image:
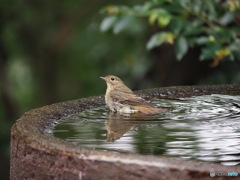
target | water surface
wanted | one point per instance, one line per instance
(205, 128)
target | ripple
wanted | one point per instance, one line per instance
(205, 128)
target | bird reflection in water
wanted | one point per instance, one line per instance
(119, 124)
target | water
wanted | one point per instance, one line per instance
(205, 128)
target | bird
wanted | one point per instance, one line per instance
(119, 98)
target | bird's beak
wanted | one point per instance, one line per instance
(103, 78)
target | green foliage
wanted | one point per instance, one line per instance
(159, 38)
(53, 51)
(213, 26)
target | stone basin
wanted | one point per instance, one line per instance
(36, 155)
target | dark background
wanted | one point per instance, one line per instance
(53, 51)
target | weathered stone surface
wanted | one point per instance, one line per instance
(34, 155)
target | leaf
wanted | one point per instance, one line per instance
(160, 38)
(185, 3)
(177, 24)
(234, 47)
(155, 3)
(208, 52)
(125, 23)
(222, 53)
(181, 47)
(208, 9)
(202, 40)
(227, 18)
(196, 7)
(108, 23)
(156, 40)
(194, 28)
(139, 11)
(164, 19)
(152, 18)
(161, 16)
(219, 55)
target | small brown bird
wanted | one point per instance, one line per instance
(119, 98)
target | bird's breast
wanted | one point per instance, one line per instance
(118, 107)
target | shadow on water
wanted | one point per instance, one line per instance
(205, 128)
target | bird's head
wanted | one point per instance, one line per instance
(112, 81)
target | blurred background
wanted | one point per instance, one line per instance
(53, 51)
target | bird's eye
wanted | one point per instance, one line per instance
(112, 79)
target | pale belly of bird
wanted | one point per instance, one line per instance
(121, 108)
(125, 108)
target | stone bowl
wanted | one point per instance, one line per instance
(36, 155)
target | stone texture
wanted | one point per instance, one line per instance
(35, 155)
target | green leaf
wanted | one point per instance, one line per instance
(185, 3)
(202, 40)
(196, 7)
(150, 4)
(161, 16)
(164, 19)
(160, 38)
(177, 24)
(234, 47)
(152, 18)
(156, 40)
(139, 11)
(210, 9)
(108, 23)
(127, 23)
(193, 28)
(209, 52)
(227, 18)
(181, 47)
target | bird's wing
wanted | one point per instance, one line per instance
(129, 99)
